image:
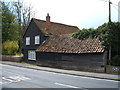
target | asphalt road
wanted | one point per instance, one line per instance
(17, 77)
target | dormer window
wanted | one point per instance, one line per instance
(27, 40)
(37, 39)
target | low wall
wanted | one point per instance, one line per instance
(11, 58)
(112, 69)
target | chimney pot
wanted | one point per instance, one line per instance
(47, 18)
(47, 26)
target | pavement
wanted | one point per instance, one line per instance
(70, 72)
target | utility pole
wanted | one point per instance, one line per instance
(109, 58)
(109, 51)
(110, 11)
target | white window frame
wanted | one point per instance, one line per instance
(37, 39)
(31, 55)
(27, 40)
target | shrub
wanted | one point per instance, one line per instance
(116, 60)
(19, 54)
(10, 47)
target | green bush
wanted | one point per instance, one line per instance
(116, 60)
(10, 47)
(19, 54)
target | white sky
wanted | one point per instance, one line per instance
(81, 13)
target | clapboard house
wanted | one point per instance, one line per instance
(38, 31)
(51, 44)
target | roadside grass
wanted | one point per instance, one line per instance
(66, 68)
(57, 67)
(26, 63)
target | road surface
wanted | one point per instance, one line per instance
(18, 77)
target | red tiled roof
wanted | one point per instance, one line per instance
(67, 44)
(56, 28)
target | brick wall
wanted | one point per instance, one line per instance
(11, 58)
(112, 69)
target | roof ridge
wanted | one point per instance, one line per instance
(55, 22)
(38, 19)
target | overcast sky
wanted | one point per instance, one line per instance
(81, 13)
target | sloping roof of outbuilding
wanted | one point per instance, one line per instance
(68, 44)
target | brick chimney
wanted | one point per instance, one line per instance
(47, 24)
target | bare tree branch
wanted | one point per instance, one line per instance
(24, 14)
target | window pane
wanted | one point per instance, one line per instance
(27, 40)
(31, 55)
(37, 39)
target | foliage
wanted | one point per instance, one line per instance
(84, 33)
(116, 60)
(19, 54)
(23, 14)
(108, 33)
(113, 36)
(10, 47)
(9, 26)
(15, 19)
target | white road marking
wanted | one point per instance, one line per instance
(65, 85)
(7, 79)
(12, 79)
(19, 78)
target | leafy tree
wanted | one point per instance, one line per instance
(9, 26)
(108, 33)
(116, 60)
(109, 36)
(113, 37)
(84, 33)
(10, 48)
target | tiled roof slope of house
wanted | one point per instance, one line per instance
(67, 44)
(55, 28)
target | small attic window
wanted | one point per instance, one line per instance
(37, 39)
(27, 40)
